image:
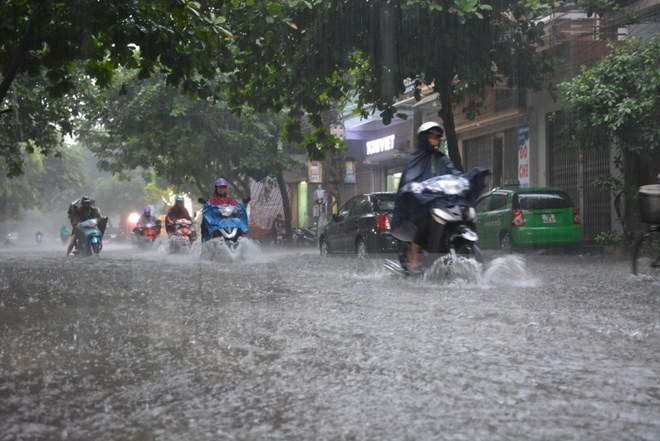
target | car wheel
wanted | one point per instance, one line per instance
(323, 247)
(361, 249)
(506, 243)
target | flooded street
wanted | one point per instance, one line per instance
(137, 345)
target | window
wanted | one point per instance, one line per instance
(362, 206)
(498, 201)
(543, 201)
(348, 206)
(482, 204)
(384, 202)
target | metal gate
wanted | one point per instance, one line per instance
(574, 171)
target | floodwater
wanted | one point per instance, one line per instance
(281, 344)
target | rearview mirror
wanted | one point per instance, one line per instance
(201, 200)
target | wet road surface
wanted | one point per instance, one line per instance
(138, 345)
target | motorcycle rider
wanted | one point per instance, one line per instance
(411, 220)
(145, 219)
(64, 234)
(80, 210)
(176, 212)
(220, 196)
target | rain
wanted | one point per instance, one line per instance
(211, 220)
(285, 344)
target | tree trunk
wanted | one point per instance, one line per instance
(285, 203)
(447, 115)
(16, 60)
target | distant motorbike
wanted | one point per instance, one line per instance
(64, 235)
(182, 237)
(145, 235)
(229, 222)
(452, 233)
(304, 237)
(89, 236)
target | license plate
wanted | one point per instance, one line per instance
(548, 218)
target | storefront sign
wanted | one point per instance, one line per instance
(315, 172)
(349, 172)
(380, 145)
(523, 156)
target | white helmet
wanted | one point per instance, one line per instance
(432, 127)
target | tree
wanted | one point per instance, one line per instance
(616, 103)
(188, 142)
(187, 41)
(366, 51)
(44, 185)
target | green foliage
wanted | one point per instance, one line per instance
(45, 183)
(188, 142)
(616, 103)
(365, 51)
(30, 125)
(618, 99)
(302, 58)
(608, 238)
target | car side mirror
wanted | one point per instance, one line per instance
(201, 200)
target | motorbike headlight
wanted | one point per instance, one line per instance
(227, 210)
(93, 222)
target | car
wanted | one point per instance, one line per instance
(361, 227)
(515, 218)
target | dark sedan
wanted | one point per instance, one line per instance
(362, 226)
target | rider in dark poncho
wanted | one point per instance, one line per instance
(410, 220)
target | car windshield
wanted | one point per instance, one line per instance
(384, 202)
(543, 201)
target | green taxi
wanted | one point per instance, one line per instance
(513, 217)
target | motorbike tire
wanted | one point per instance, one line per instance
(403, 254)
(469, 250)
(435, 239)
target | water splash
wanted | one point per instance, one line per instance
(247, 251)
(509, 270)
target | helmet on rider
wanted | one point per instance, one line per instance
(147, 210)
(179, 199)
(220, 182)
(424, 131)
(85, 200)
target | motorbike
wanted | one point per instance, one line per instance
(448, 200)
(182, 237)
(89, 236)
(64, 235)
(304, 237)
(229, 222)
(145, 235)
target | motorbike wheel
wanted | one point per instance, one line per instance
(324, 248)
(435, 240)
(470, 250)
(404, 254)
(96, 248)
(506, 243)
(361, 249)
